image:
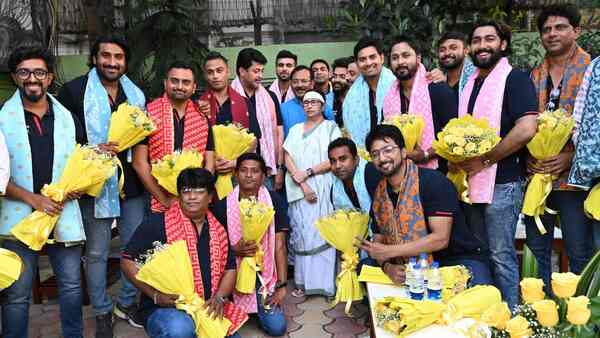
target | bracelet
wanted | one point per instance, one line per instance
(426, 155)
(155, 297)
(280, 285)
(220, 299)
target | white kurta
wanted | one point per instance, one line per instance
(315, 260)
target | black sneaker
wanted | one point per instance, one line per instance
(130, 314)
(104, 326)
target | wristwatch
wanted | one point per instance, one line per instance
(309, 172)
(486, 162)
(280, 167)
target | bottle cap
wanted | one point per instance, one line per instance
(412, 260)
(435, 265)
(422, 255)
(417, 266)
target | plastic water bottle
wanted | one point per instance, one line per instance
(417, 287)
(424, 262)
(434, 284)
(412, 261)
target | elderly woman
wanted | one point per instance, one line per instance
(308, 183)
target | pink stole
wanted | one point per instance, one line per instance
(275, 89)
(267, 120)
(420, 104)
(488, 105)
(268, 275)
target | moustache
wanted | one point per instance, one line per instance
(477, 52)
(32, 83)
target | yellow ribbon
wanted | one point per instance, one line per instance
(534, 203)
(249, 268)
(205, 326)
(348, 288)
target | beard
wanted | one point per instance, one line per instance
(495, 56)
(339, 87)
(103, 73)
(32, 96)
(393, 170)
(452, 63)
(283, 77)
(405, 73)
(178, 96)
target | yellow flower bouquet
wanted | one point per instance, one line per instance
(255, 217)
(553, 132)
(168, 269)
(454, 280)
(86, 170)
(411, 126)
(11, 267)
(364, 154)
(340, 230)
(231, 141)
(166, 170)
(129, 125)
(592, 203)
(462, 139)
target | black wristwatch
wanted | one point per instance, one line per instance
(280, 167)
(280, 285)
(309, 172)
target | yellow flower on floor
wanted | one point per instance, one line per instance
(532, 290)
(578, 311)
(546, 312)
(497, 316)
(564, 285)
(518, 327)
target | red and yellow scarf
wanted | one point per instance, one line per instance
(179, 227)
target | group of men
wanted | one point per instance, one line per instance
(309, 126)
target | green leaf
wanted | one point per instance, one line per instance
(587, 274)
(529, 268)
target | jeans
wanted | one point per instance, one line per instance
(66, 263)
(576, 233)
(500, 219)
(272, 321)
(98, 233)
(172, 323)
(479, 269)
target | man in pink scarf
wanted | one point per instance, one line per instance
(264, 105)
(506, 98)
(250, 173)
(285, 62)
(413, 93)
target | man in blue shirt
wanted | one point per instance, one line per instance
(292, 112)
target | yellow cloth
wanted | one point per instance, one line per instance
(340, 229)
(11, 267)
(86, 171)
(169, 270)
(553, 132)
(411, 127)
(462, 139)
(129, 125)
(373, 274)
(231, 141)
(166, 170)
(592, 203)
(255, 218)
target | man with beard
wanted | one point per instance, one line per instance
(415, 210)
(321, 73)
(263, 104)
(180, 126)
(362, 106)
(222, 104)
(506, 98)
(40, 136)
(292, 112)
(285, 62)
(340, 88)
(92, 98)
(353, 72)
(413, 93)
(452, 57)
(557, 81)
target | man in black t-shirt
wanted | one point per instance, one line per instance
(415, 210)
(496, 183)
(85, 97)
(250, 174)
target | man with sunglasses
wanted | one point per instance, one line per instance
(415, 210)
(557, 80)
(40, 135)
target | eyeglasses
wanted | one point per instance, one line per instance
(311, 102)
(385, 151)
(193, 190)
(24, 73)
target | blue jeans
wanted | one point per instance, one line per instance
(576, 233)
(271, 321)
(479, 269)
(172, 323)
(98, 233)
(500, 219)
(66, 263)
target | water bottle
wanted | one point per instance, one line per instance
(424, 262)
(434, 284)
(409, 272)
(417, 287)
